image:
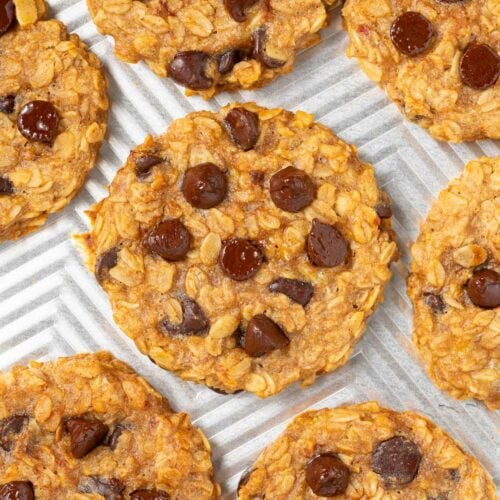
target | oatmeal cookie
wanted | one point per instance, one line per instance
(361, 452)
(454, 285)
(89, 427)
(53, 115)
(438, 60)
(244, 249)
(212, 45)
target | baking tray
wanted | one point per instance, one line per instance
(51, 306)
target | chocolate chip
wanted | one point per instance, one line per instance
(412, 33)
(189, 69)
(204, 186)
(112, 438)
(6, 186)
(228, 59)
(480, 67)
(222, 392)
(243, 127)
(240, 259)
(109, 488)
(106, 261)
(9, 429)
(7, 15)
(262, 336)
(144, 163)
(149, 495)
(454, 474)
(244, 478)
(17, 490)
(193, 320)
(257, 177)
(291, 189)
(7, 103)
(327, 475)
(435, 302)
(298, 291)
(38, 121)
(396, 460)
(259, 50)
(383, 211)
(238, 9)
(170, 240)
(85, 434)
(326, 247)
(484, 288)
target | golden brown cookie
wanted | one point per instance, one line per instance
(454, 285)
(87, 426)
(365, 452)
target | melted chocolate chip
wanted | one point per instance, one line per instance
(170, 240)
(105, 262)
(9, 429)
(228, 59)
(7, 103)
(193, 320)
(483, 288)
(435, 302)
(397, 460)
(244, 478)
(243, 127)
(383, 211)
(327, 475)
(204, 186)
(259, 50)
(240, 259)
(262, 336)
(326, 247)
(296, 290)
(7, 15)
(109, 488)
(17, 490)
(85, 435)
(412, 33)
(291, 189)
(144, 163)
(38, 121)
(189, 69)
(6, 186)
(112, 438)
(480, 67)
(238, 9)
(257, 177)
(149, 495)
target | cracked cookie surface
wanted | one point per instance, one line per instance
(438, 61)
(271, 284)
(87, 426)
(454, 285)
(365, 451)
(53, 116)
(212, 45)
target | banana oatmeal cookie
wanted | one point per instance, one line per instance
(438, 60)
(212, 45)
(244, 249)
(455, 285)
(53, 115)
(365, 451)
(89, 427)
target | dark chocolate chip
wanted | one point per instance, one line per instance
(397, 460)
(259, 50)
(17, 490)
(109, 488)
(244, 478)
(412, 33)
(85, 434)
(144, 163)
(189, 69)
(7, 15)
(228, 59)
(204, 186)
(9, 429)
(383, 211)
(484, 288)
(480, 67)
(170, 240)
(38, 121)
(7, 103)
(149, 495)
(193, 320)
(327, 475)
(112, 438)
(106, 261)
(238, 9)
(240, 259)
(326, 247)
(6, 186)
(291, 189)
(243, 127)
(435, 302)
(298, 291)
(262, 336)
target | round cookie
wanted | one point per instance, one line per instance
(438, 60)
(273, 283)
(53, 115)
(209, 46)
(361, 452)
(454, 285)
(87, 426)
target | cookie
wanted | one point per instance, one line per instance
(53, 115)
(209, 46)
(87, 426)
(244, 249)
(365, 451)
(438, 60)
(454, 285)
